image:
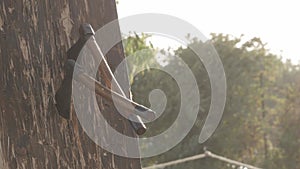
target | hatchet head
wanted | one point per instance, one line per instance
(64, 93)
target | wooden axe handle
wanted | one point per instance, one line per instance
(124, 103)
(108, 76)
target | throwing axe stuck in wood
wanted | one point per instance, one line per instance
(132, 110)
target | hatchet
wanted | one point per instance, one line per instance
(63, 94)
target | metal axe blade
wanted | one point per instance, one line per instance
(63, 94)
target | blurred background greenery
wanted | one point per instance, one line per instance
(260, 124)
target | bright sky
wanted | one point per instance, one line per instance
(276, 22)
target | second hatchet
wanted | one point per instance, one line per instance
(63, 96)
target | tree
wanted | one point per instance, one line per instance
(262, 103)
(34, 38)
(289, 141)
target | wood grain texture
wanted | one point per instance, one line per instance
(34, 38)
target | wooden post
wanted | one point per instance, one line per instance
(34, 38)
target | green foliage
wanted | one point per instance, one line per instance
(139, 54)
(260, 125)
